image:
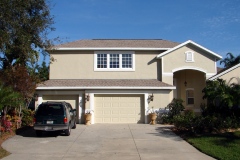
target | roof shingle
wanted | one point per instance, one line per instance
(86, 83)
(119, 43)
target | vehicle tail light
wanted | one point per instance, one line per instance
(65, 120)
(34, 120)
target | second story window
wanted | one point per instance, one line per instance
(127, 61)
(114, 61)
(102, 61)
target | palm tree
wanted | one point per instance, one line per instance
(218, 93)
(231, 60)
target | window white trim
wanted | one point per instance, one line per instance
(108, 69)
(189, 56)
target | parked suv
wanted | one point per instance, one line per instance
(54, 116)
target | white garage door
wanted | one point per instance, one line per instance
(72, 99)
(118, 109)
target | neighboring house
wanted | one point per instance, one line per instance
(121, 79)
(230, 75)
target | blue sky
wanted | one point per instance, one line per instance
(214, 24)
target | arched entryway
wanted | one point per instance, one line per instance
(189, 85)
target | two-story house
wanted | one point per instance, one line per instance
(119, 80)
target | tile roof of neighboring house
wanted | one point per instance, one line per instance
(219, 69)
(224, 71)
(104, 84)
(119, 43)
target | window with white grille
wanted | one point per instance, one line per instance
(114, 61)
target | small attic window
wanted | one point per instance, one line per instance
(189, 57)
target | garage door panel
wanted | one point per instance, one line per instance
(118, 108)
(115, 112)
(115, 105)
(106, 112)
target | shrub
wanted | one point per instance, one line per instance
(175, 108)
(186, 121)
(27, 117)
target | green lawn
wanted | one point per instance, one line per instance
(224, 146)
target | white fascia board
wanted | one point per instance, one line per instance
(189, 42)
(224, 72)
(72, 88)
(111, 49)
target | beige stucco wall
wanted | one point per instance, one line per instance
(232, 76)
(176, 59)
(161, 99)
(80, 65)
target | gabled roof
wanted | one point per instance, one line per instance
(118, 44)
(192, 43)
(224, 71)
(103, 84)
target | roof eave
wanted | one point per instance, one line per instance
(224, 72)
(108, 88)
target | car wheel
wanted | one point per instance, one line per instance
(38, 133)
(68, 131)
(75, 125)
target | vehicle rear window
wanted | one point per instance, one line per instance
(50, 109)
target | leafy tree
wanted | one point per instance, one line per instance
(40, 72)
(20, 81)
(24, 26)
(230, 60)
(43, 72)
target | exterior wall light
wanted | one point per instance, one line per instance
(87, 98)
(150, 98)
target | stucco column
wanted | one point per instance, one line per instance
(80, 107)
(92, 106)
(40, 100)
(146, 107)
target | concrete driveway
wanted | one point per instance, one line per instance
(104, 142)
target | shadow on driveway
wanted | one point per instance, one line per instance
(30, 132)
(166, 132)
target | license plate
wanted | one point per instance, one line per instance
(48, 128)
(49, 122)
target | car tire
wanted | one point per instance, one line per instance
(68, 131)
(75, 125)
(38, 133)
